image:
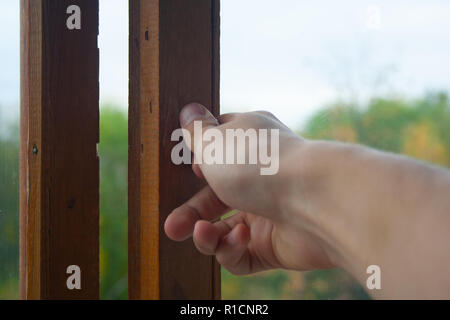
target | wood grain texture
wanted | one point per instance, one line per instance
(174, 60)
(59, 168)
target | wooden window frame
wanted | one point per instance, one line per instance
(59, 168)
(174, 59)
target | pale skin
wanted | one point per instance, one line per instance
(330, 205)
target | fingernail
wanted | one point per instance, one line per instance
(191, 112)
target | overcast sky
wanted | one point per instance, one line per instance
(289, 57)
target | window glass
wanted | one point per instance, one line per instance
(369, 72)
(9, 150)
(113, 149)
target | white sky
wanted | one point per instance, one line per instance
(289, 57)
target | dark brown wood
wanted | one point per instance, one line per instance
(174, 60)
(59, 165)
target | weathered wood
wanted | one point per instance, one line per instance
(174, 60)
(59, 184)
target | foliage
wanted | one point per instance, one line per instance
(113, 152)
(9, 208)
(418, 128)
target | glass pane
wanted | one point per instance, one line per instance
(113, 149)
(9, 150)
(370, 72)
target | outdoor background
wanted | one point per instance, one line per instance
(369, 72)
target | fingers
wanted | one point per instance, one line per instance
(198, 172)
(197, 112)
(233, 252)
(204, 205)
(194, 112)
(227, 239)
(191, 116)
(207, 235)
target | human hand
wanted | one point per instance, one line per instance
(262, 234)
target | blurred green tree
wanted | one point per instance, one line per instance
(113, 152)
(9, 208)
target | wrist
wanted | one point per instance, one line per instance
(300, 174)
(308, 196)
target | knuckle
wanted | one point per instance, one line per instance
(266, 113)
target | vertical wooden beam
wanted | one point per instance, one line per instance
(174, 60)
(59, 184)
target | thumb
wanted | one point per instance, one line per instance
(195, 119)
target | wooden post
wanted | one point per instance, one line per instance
(59, 183)
(174, 60)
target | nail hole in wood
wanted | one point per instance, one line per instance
(71, 203)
